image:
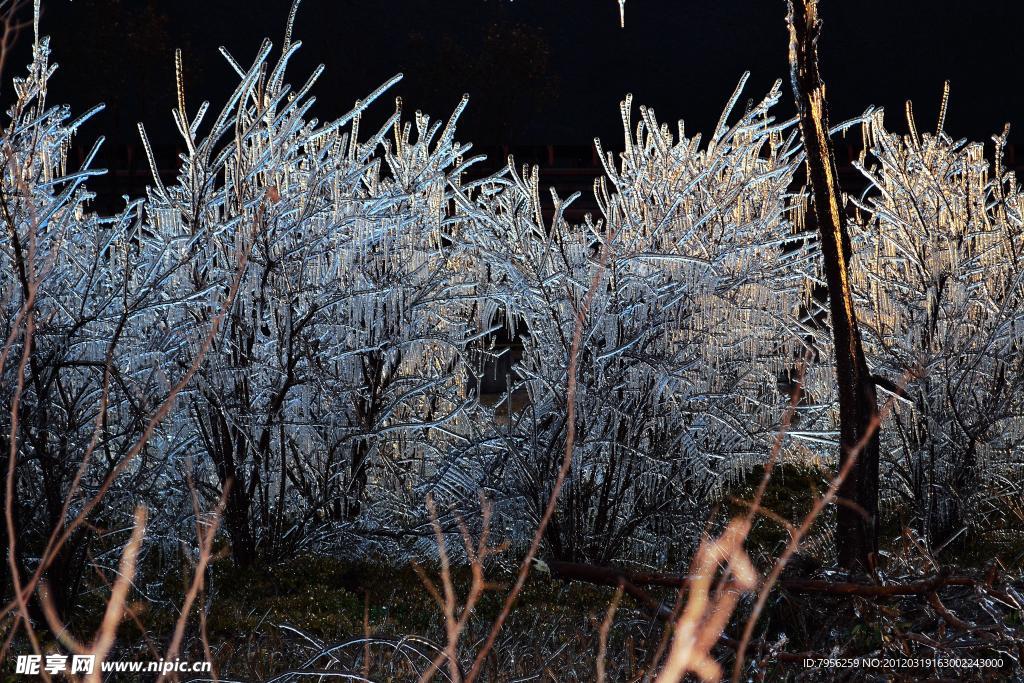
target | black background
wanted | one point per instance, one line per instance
(538, 71)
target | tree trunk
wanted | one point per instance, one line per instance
(857, 515)
(221, 443)
(359, 470)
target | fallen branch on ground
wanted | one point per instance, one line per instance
(612, 576)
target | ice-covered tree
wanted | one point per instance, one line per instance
(938, 272)
(83, 367)
(693, 319)
(338, 374)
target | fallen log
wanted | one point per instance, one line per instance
(612, 576)
(923, 587)
(633, 583)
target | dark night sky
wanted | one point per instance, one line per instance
(543, 71)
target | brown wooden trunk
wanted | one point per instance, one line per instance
(857, 516)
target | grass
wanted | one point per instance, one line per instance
(327, 599)
(263, 621)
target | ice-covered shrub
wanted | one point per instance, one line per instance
(85, 364)
(332, 390)
(937, 266)
(693, 319)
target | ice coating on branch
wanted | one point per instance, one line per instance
(99, 358)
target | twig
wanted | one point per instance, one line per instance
(563, 472)
(947, 616)
(107, 633)
(602, 639)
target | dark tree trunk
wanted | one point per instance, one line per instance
(237, 511)
(221, 444)
(857, 517)
(360, 478)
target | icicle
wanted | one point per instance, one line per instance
(942, 110)
(180, 83)
(290, 25)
